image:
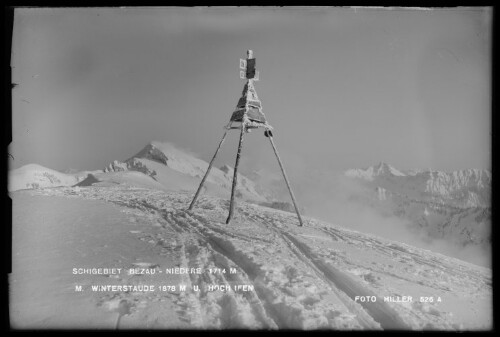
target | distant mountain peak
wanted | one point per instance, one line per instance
(462, 188)
(372, 172)
(384, 168)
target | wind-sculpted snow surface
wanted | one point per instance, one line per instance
(319, 276)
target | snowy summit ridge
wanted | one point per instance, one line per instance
(372, 172)
(162, 161)
(462, 188)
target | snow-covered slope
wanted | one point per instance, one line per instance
(262, 271)
(454, 206)
(36, 176)
(160, 161)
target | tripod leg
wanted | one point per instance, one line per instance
(206, 173)
(235, 174)
(286, 180)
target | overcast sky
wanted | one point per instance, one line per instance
(343, 88)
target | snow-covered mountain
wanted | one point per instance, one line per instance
(463, 188)
(167, 164)
(373, 172)
(158, 165)
(451, 206)
(127, 228)
(454, 206)
(37, 176)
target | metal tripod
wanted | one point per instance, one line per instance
(249, 113)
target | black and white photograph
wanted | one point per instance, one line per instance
(251, 168)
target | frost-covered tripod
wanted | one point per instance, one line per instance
(250, 116)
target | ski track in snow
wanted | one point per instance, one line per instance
(304, 277)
